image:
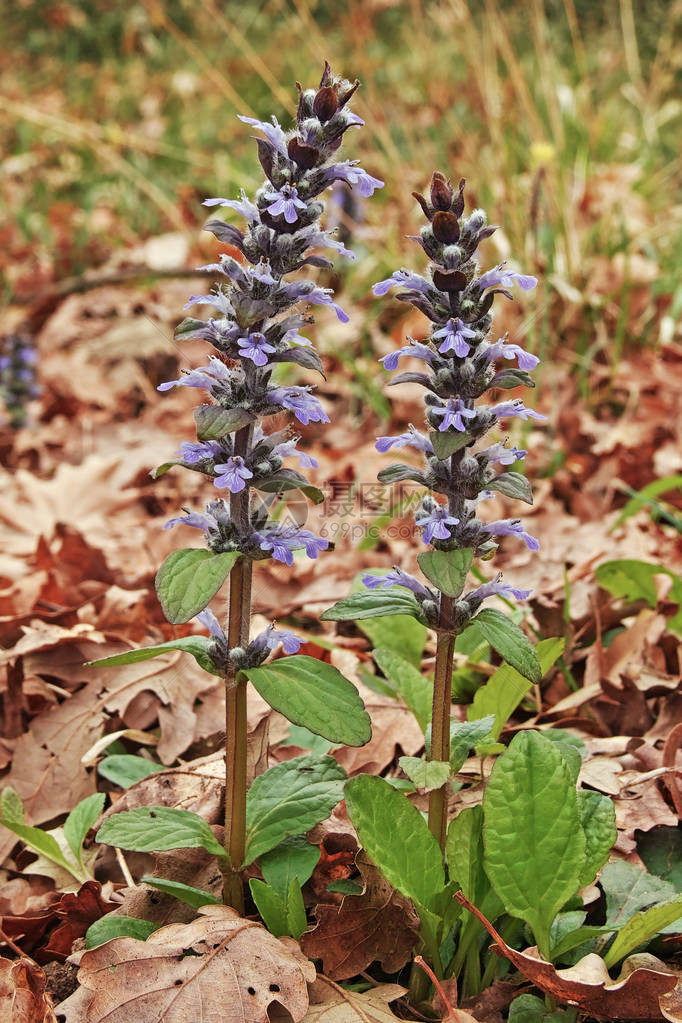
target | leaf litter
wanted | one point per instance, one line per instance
(81, 540)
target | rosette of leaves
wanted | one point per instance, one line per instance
(257, 315)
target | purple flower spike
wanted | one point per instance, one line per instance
(288, 449)
(455, 333)
(503, 455)
(255, 347)
(233, 475)
(436, 523)
(512, 527)
(498, 276)
(210, 622)
(283, 541)
(526, 360)
(454, 414)
(286, 202)
(205, 376)
(244, 207)
(395, 578)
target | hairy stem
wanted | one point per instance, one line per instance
(440, 718)
(235, 704)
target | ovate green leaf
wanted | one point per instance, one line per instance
(374, 604)
(197, 646)
(396, 838)
(598, 818)
(290, 799)
(214, 422)
(510, 642)
(124, 769)
(110, 926)
(182, 892)
(157, 829)
(534, 841)
(314, 694)
(447, 570)
(189, 579)
(425, 774)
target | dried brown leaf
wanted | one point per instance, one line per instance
(378, 925)
(330, 1003)
(219, 968)
(22, 993)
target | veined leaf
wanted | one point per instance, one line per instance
(158, 829)
(534, 841)
(80, 820)
(415, 689)
(189, 579)
(512, 644)
(449, 441)
(425, 774)
(374, 604)
(197, 646)
(641, 928)
(182, 892)
(290, 799)
(110, 926)
(447, 570)
(314, 694)
(214, 422)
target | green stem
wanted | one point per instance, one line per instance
(440, 717)
(235, 703)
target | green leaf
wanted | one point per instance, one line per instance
(661, 852)
(576, 938)
(345, 887)
(598, 818)
(197, 646)
(514, 485)
(303, 737)
(214, 422)
(293, 858)
(641, 927)
(449, 441)
(282, 913)
(289, 479)
(425, 774)
(570, 746)
(529, 1009)
(400, 633)
(634, 580)
(80, 820)
(38, 841)
(11, 807)
(507, 638)
(124, 769)
(508, 378)
(629, 889)
(505, 689)
(447, 570)
(375, 604)
(534, 842)
(189, 579)
(290, 799)
(158, 829)
(643, 498)
(182, 892)
(161, 470)
(190, 328)
(416, 691)
(464, 735)
(399, 472)
(396, 838)
(110, 926)
(464, 854)
(271, 905)
(315, 694)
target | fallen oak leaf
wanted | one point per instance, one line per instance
(378, 925)
(217, 966)
(22, 992)
(587, 985)
(330, 1003)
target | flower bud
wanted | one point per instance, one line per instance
(445, 227)
(441, 192)
(326, 103)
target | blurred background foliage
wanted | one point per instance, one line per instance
(117, 119)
